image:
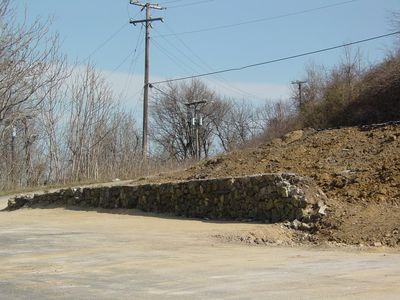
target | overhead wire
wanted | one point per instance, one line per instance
(219, 78)
(133, 52)
(174, 1)
(163, 92)
(137, 92)
(135, 58)
(180, 51)
(186, 68)
(207, 67)
(190, 4)
(280, 59)
(105, 42)
(176, 60)
(262, 19)
(227, 85)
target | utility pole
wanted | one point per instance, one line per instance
(300, 83)
(13, 136)
(29, 139)
(146, 6)
(197, 122)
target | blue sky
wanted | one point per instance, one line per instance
(84, 25)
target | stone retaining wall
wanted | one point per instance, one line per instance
(265, 197)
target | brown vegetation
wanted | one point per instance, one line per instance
(351, 95)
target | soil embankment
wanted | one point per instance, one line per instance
(357, 168)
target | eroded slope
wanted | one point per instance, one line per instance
(357, 168)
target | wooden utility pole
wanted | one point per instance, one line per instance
(197, 122)
(13, 164)
(300, 85)
(147, 6)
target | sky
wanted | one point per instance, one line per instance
(197, 37)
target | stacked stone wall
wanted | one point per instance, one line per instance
(265, 197)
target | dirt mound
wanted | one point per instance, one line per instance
(357, 168)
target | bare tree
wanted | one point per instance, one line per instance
(329, 91)
(91, 108)
(30, 68)
(29, 65)
(121, 152)
(278, 118)
(237, 124)
(52, 122)
(171, 120)
(56, 126)
(313, 88)
(394, 23)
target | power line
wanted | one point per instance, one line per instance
(173, 1)
(191, 4)
(134, 61)
(106, 41)
(221, 81)
(186, 68)
(280, 59)
(164, 93)
(132, 53)
(110, 38)
(174, 58)
(205, 66)
(262, 19)
(131, 71)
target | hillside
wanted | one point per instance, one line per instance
(357, 168)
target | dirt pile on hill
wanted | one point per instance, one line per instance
(357, 168)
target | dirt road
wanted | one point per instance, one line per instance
(65, 254)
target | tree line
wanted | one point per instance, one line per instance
(57, 124)
(60, 123)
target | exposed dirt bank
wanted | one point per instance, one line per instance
(357, 168)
